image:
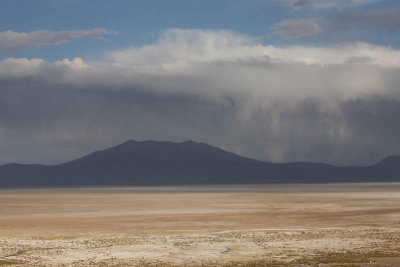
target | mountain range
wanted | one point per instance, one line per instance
(185, 163)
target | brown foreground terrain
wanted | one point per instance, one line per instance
(258, 225)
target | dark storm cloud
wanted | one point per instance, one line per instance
(376, 117)
(54, 125)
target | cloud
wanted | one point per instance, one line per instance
(323, 4)
(11, 41)
(375, 19)
(301, 3)
(337, 104)
(297, 28)
(379, 24)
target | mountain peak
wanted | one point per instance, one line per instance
(165, 163)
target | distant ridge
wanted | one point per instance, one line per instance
(189, 162)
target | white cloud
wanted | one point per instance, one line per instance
(176, 49)
(11, 41)
(218, 62)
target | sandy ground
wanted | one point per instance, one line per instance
(260, 225)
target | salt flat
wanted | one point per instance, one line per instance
(192, 225)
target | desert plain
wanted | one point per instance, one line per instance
(216, 225)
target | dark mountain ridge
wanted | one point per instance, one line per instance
(169, 163)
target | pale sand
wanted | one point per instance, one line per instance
(211, 225)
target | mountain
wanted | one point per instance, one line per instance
(168, 163)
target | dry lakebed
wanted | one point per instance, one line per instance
(218, 225)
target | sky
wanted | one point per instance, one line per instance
(275, 80)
